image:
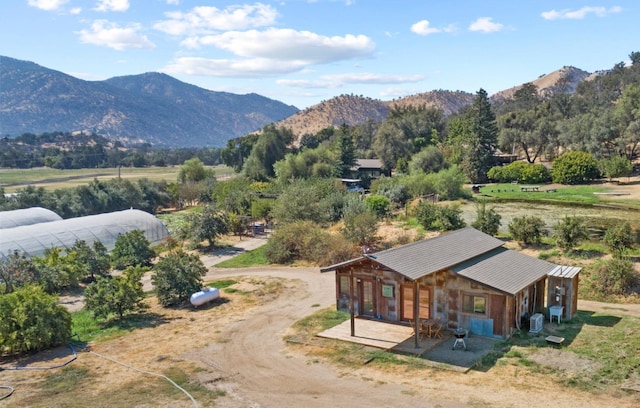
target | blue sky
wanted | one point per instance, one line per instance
(302, 52)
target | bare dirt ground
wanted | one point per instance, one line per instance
(236, 346)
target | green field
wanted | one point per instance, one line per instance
(14, 179)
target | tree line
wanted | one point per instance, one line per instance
(64, 150)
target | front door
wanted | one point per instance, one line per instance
(407, 302)
(365, 297)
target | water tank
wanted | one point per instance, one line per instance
(205, 295)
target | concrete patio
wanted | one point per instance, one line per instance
(399, 338)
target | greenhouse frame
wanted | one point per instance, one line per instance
(34, 240)
(26, 216)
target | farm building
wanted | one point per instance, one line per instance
(36, 238)
(26, 216)
(465, 277)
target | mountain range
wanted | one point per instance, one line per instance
(159, 109)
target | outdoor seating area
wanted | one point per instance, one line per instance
(529, 188)
(399, 338)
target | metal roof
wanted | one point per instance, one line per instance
(505, 270)
(368, 164)
(424, 257)
(565, 271)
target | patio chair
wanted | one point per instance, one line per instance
(437, 333)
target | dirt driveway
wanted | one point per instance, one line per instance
(257, 369)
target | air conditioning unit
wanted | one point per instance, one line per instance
(535, 324)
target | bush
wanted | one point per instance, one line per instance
(570, 232)
(131, 249)
(439, 217)
(615, 277)
(618, 238)
(379, 205)
(574, 168)
(119, 295)
(303, 240)
(527, 230)
(487, 219)
(177, 276)
(521, 172)
(31, 319)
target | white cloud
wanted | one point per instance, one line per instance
(580, 13)
(289, 45)
(112, 5)
(486, 25)
(105, 33)
(423, 27)
(207, 19)
(48, 5)
(239, 68)
(339, 80)
(174, 2)
(75, 10)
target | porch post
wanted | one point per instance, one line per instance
(351, 309)
(416, 312)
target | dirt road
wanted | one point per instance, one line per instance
(257, 369)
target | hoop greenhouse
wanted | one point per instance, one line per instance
(35, 239)
(26, 216)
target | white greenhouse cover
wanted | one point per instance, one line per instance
(35, 239)
(26, 216)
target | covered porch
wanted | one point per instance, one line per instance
(398, 338)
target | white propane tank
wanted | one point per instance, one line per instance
(205, 295)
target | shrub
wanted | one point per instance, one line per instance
(615, 276)
(177, 276)
(379, 205)
(32, 320)
(119, 294)
(487, 219)
(527, 230)
(569, 232)
(618, 238)
(131, 249)
(439, 217)
(303, 240)
(574, 167)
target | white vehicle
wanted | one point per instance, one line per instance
(355, 189)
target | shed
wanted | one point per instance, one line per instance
(26, 216)
(464, 277)
(562, 289)
(35, 239)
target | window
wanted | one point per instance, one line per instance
(474, 304)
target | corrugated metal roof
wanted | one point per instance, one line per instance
(565, 271)
(505, 270)
(368, 164)
(421, 258)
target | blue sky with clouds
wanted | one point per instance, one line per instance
(302, 52)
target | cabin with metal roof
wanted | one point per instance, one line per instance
(466, 278)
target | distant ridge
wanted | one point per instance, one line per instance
(151, 107)
(161, 110)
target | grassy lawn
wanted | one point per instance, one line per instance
(254, 257)
(600, 351)
(51, 179)
(574, 195)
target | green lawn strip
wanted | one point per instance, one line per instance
(584, 195)
(86, 328)
(254, 257)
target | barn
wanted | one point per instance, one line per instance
(465, 278)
